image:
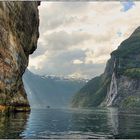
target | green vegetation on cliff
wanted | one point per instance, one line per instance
(131, 101)
(92, 94)
(133, 72)
(128, 56)
(125, 64)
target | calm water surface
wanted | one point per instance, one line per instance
(72, 124)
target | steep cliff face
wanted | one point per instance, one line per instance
(119, 85)
(19, 23)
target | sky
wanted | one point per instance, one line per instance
(76, 38)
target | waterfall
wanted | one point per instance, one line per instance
(113, 89)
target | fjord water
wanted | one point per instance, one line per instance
(72, 123)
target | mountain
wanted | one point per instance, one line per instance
(119, 85)
(19, 22)
(50, 91)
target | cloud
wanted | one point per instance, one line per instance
(66, 63)
(76, 38)
(60, 13)
(62, 40)
(40, 51)
(60, 21)
(77, 61)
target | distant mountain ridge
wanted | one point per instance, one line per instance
(64, 78)
(119, 85)
(50, 91)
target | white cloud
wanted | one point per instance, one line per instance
(79, 37)
(77, 61)
(36, 62)
(63, 40)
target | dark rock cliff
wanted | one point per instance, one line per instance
(19, 23)
(119, 85)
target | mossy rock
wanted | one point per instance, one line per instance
(131, 101)
(133, 72)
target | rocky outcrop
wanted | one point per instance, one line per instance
(119, 85)
(19, 23)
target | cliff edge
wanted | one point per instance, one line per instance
(19, 21)
(119, 85)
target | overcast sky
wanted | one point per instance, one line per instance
(76, 38)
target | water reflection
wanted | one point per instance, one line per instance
(65, 124)
(95, 121)
(126, 123)
(113, 120)
(11, 126)
(85, 123)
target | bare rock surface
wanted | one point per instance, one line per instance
(19, 21)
